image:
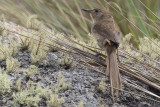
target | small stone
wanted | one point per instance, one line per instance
(116, 105)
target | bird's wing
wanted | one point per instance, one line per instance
(108, 30)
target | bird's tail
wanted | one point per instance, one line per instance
(113, 71)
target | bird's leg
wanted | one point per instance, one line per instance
(118, 56)
(107, 63)
(106, 43)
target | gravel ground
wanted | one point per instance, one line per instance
(83, 83)
(82, 86)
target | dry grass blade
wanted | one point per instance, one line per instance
(146, 56)
(150, 20)
(91, 67)
(129, 83)
(149, 10)
(130, 93)
(68, 19)
(127, 71)
(150, 76)
(77, 15)
(82, 17)
(142, 62)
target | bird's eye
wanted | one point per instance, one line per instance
(96, 11)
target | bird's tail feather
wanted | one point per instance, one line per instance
(113, 71)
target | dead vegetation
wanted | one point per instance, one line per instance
(142, 65)
(84, 54)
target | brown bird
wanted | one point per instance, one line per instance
(108, 38)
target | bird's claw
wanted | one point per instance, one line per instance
(106, 41)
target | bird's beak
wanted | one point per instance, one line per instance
(87, 10)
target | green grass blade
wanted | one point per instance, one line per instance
(138, 19)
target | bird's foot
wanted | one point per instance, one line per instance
(106, 41)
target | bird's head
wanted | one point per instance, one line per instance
(98, 13)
